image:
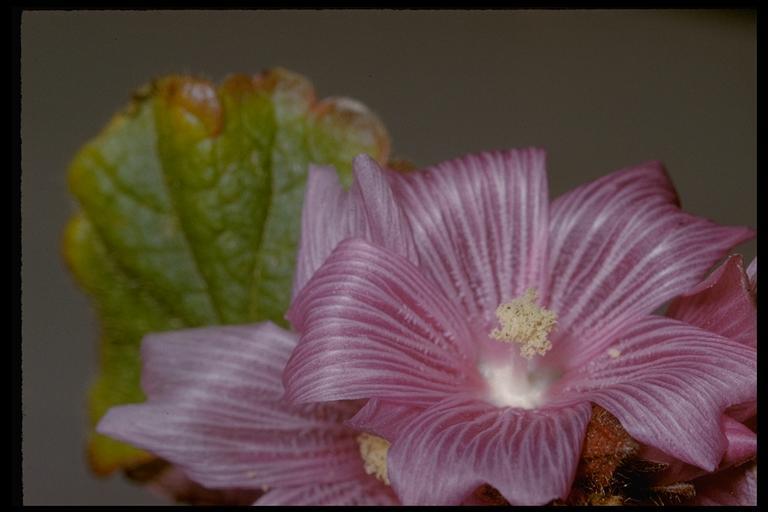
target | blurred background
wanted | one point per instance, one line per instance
(599, 90)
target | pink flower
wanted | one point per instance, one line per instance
(724, 303)
(215, 410)
(481, 321)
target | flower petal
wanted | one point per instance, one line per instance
(384, 418)
(620, 248)
(752, 274)
(369, 210)
(741, 447)
(736, 486)
(722, 303)
(668, 383)
(373, 326)
(742, 443)
(363, 490)
(462, 443)
(173, 484)
(480, 226)
(215, 410)
(745, 413)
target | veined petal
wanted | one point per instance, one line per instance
(752, 274)
(384, 418)
(480, 226)
(363, 490)
(373, 326)
(172, 360)
(722, 303)
(369, 210)
(668, 383)
(215, 410)
(741, 447)
(173, 484)
(742, 443)
(461, 443)
(620, 247)
(736, 486)
(745, 412)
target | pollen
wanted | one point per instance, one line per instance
(523, 321)
(373, 450)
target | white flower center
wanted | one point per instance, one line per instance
(373, 450)
(523, 321)
(511, 386)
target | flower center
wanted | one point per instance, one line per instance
(509, 386)
(373, 450)
(523, 321)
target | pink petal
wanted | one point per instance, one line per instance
(375, 327)
(736, 486)
(668, 383)
(384, 418)
(742, 443)
(480, 225)
(722, 303)
(215, 410)
(620, 248)
(745, 412)
(369, 210)
(173, 484)
(363, 490)
(742, 446)
(752, 274)
(462, 443)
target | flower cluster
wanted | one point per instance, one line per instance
(452, 328)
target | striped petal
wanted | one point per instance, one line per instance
(363, 490)
(752, 275)
(722, 303)
(620, 247)
(461, 443)
(215, 409)
(384, 418)
(480, 226)
(331, 214)
(173, 484)
(668, 383)
(373, 326)
(745, 413)
(742, 443)
(736, 486)
(741, 447)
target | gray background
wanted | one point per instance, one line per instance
(598, 89)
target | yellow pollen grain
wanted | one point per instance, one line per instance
(523, 321)
(373, 450)
(614, 352)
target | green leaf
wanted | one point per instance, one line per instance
(190, 213)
